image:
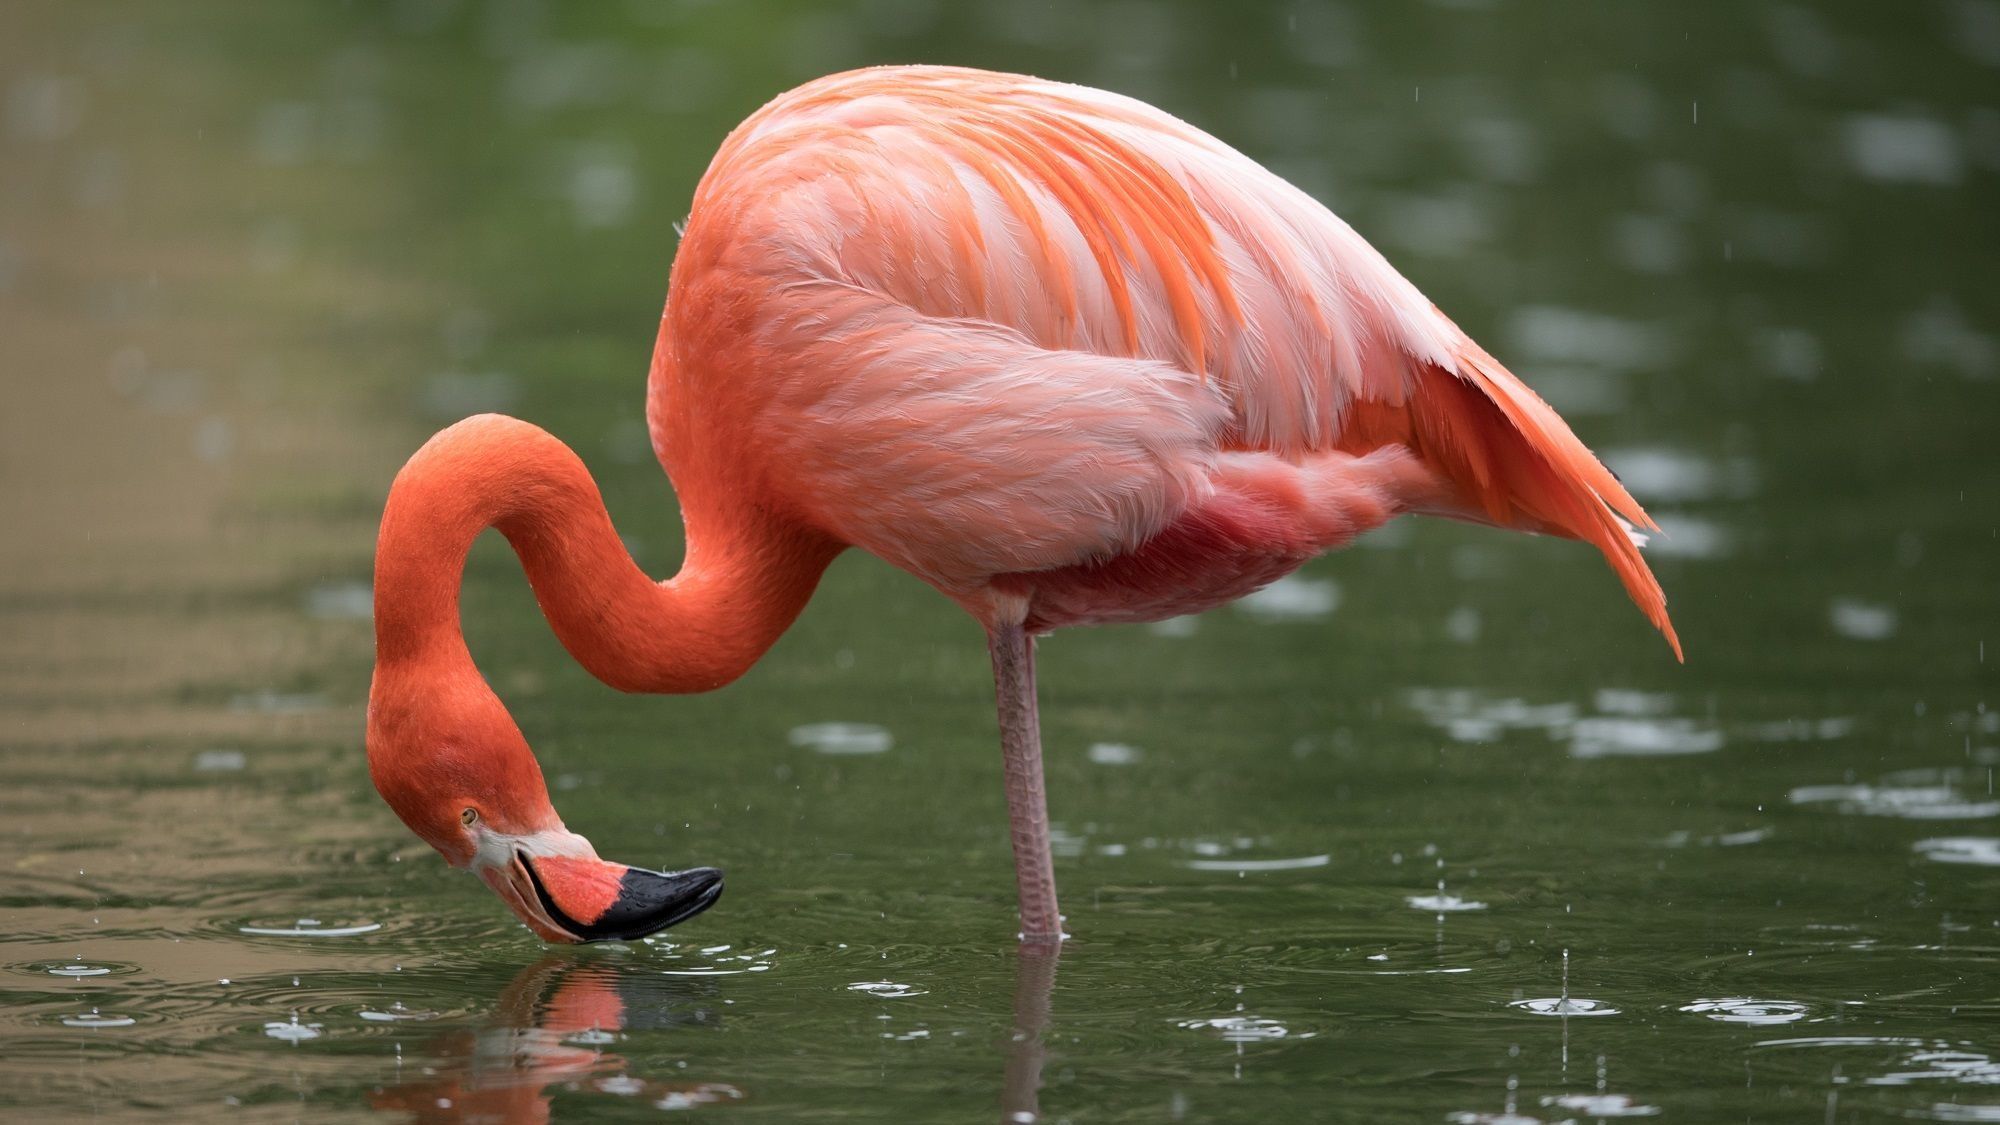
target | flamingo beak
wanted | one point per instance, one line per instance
(580, 898)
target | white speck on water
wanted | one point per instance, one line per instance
(1626, 701)
(1600, 1105)
(1293, 598)
(1919, 794)
(1469, 718)
(1442, 903)
(1689, 537)
(1553, 334)
(341, 601)
(1861, 621)
(1606, 737)
(1982, 851)
(1293, 863)
(1939, 335)
(1115, 754)
(310, 927)
(1462, 625)
(1901, 148)
(602, 183)
(1657, 473)
(842, 739)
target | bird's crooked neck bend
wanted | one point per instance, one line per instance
(744, 580)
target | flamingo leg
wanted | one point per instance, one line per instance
(1013, 653)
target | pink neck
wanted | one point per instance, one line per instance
(744, 580)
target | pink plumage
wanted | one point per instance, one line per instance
(1002, 327)
(1056, 353)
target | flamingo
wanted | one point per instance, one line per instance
(1063, 357)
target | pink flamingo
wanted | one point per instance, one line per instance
(1060, 355)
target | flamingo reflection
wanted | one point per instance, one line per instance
(551, 1027)
(549, 1030)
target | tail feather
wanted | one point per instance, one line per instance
(1547, 433)
(1513, 462)
(1561, 485)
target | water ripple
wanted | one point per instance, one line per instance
(310, 928)
(1741, 1009)
(1243, 1028)
(1565, 1006)
(887, 989)
(1983, 851)
(1922, 794)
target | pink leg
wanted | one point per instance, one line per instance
(1027, 808)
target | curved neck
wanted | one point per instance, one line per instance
(744, 580)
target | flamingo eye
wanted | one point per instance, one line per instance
(469, 817)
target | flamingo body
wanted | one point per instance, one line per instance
(1008, 333)
(1061, 356)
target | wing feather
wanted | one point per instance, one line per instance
(1093, 237)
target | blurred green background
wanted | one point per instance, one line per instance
(252, 255)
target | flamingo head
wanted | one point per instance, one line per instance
(459, 773)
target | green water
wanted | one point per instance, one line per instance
(1338, 855)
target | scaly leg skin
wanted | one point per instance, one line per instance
(1027, 807)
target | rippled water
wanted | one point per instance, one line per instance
(1433, 831)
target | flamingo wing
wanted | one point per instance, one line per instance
(1061, 305)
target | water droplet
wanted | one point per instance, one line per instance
(886, 989)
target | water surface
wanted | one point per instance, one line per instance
(1435, 831)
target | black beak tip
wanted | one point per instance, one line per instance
(650, 901)
(647, 902)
